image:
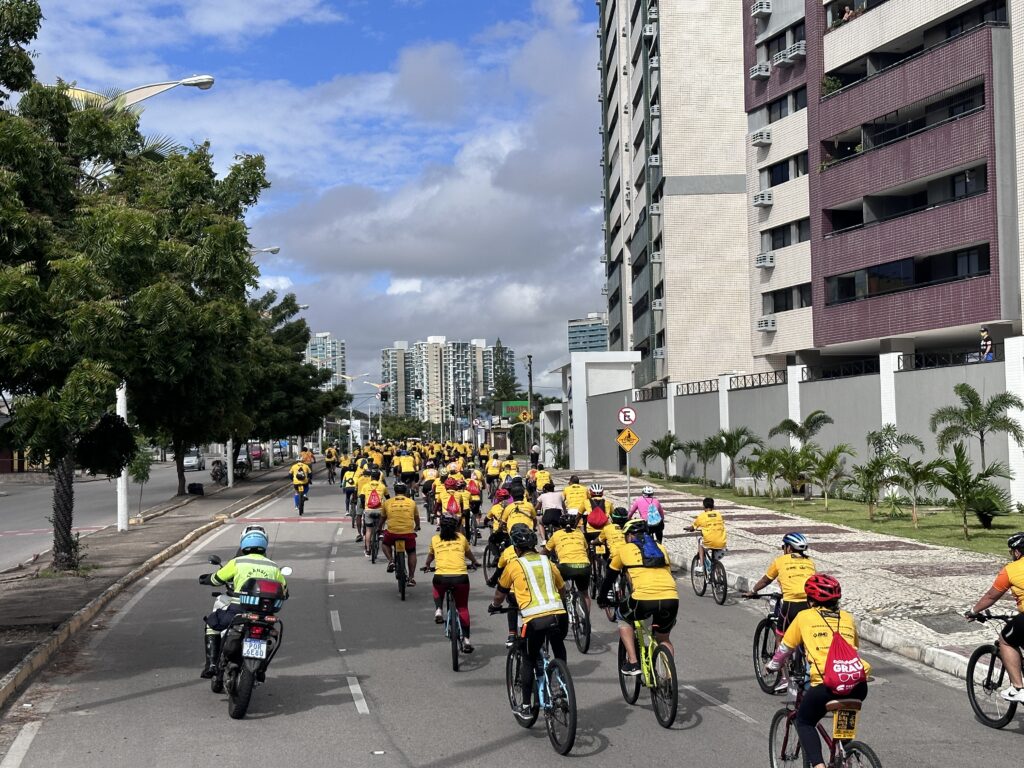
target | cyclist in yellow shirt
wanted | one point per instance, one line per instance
(711, 525)
(792, 568)
(1010, 578)
(375, 493)
(518, 510)
(569, 546)
(331, 462)
(301, 474)
(402, 518)
(576, 496)
(450, 549)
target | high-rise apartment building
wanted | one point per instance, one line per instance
(883, 165)
(326, 352)
(394, 368)
(493, 358)
(588, 334)
(675, 203)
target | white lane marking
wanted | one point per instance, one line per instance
(19, 749)
(335, 621)
(334, 550)
(330, 577)
(357, 696)
(720, 704)
(259, 509)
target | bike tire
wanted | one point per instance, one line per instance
(697, 580)
(628, 684)
(302, 502)
(513, 665)
(719, 583)
(665, 691)
(454, 634)
(783, 744)
(240, 694)
(597, 572)
(374, 544)
(560, 719)
(400, 573)
(491, 555)
(581, 627)
(983, 689)
(765, 642)
(860, 754)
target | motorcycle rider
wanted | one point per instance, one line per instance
(252, 564)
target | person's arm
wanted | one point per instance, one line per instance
(996, 591)
(763, 582)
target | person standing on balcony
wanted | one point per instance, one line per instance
(987, 351)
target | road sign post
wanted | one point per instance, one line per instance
(628, 440)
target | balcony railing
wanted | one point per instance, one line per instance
(860, 7)
(755, 380)
(946, 358)
(840, 370)
(651, 393)
(697, 387)
(901, 214)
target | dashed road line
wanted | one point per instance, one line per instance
(357, 696)
(19, 749)
(334, 550)
(720, 704)
(330, 577)
(335, 621)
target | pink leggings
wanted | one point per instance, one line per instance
(460, 586)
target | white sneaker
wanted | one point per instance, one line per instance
(1013, 694)
(438, 618)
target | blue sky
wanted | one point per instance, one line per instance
(434, 162)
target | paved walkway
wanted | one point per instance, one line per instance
(908, 597)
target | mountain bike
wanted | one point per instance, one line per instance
(554, 693)
(374, 539)
(452, 625)
(332, 472)
(598, 567)
(300, 496)
(401, 566)
(767, 636)
(579, 620)
(496, 543)
(843, 750)
(986, 677)
(657, 673)
(711, 570)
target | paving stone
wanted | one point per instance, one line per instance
(781, 530)
(889, 545)
(925, 570)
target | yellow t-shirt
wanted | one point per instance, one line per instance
(513, 579)
(519, 512)
(296, 468)
(1012, 578)
(570, 547)
(645, 583)
(712, 525)
(401, 514)
(330, 455)
(493, 467)
(494, 515)
(543, 478)
(461, 498)
(406, 464)
(792, 571)
(576, 497)
(612, 537)
(813, 629)
(507, 556)
(370, 487)
(348, 480)
(450, 556)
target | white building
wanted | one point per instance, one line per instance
(326, 352)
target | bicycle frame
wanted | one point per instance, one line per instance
(645, 643)
(451, 611)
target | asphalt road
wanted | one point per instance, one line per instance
(24, 509)
(363, 680)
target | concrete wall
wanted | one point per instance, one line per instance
(853, 403)
(603, 428)
(759, 410)
(651, 423)
(696, 418)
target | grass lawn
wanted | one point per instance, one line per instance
(938, 525)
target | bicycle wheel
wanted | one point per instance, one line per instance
(513, 666)
(629, 684)
(400, 572)
(765, 642)
(454, 632)
(374, 544)
(700, 584)
(985, 678)
(665, 691)
(860, 755)
(580, 627)
(302, 502)
(597, 574)
(719, 583)
(490, 561)
(560, 719)
(783, 744)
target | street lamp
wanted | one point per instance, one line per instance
(275, 249)
(351, 403)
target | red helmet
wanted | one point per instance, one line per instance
(451, 483)
(822, 588)
(502, 494)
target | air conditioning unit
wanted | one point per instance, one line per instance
(655, 110)
(604, 258)
(602, 162)
(765, 260)
(656, 257)
(763, 199)
(762, 9)
(604, 290)
(655, 62)
(652, 12)
(600, 129)
(604, 227)
(761, 71)
(625, 70)
(650, 30)
(625, 32)
(762, 138)
(655, 209)
(600, 97)
(654, 160)
(599, 33)
(600, 66)
(659, 353)
(658, 305)
(627, 195)
(766, 324)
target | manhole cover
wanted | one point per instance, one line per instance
(945, 623)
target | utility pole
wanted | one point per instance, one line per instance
(529, 395)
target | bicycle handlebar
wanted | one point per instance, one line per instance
(765, 596)
(984, 616)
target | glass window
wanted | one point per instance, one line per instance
(905, 274)
(778, 109)
(968, 183)
(803, 228)
(776, 45)
(778, 173)
(800, 99)
(800, 165)
(799, 32)
(803, 293)
(781, 237)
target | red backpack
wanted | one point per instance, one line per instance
(843, 668)
(473, 487)
(453, 507)
(373, 500)
(597, 518)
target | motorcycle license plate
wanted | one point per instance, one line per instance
(844, 724)
(254, 649)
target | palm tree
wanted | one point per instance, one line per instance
(830, 467)
(755, 466)
(663, 448)
(868, 479)
(558, 440)
(705, 450)
(794, 466)
(974, 418)
(973, 492)
(802, 431)
(770, 460)
(732, 442)
(889, 440)
(914, 475)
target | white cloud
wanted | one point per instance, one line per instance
(402, 286)
(275, 282)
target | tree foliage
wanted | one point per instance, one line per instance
(829, 467)
(973, 491)
(732, 442)
(663, 448)
(803, 431)
(975, 418)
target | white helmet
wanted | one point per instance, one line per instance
(647, 490)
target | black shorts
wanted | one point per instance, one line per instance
(551, 518)
(1013, 632)
(661, 612)
(788, 609)
(578, 574)
(409, 478)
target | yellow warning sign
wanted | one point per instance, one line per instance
(525, 416)
(628, 439)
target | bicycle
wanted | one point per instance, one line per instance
(554, 693)
(401, 566)
(579, 620)
(300, 491)
(452, 625)
(986, 677)
(496, 543)
(374, 541)
(598, 567)
(657, 673)
(712, 570)
(767, 636)
(843, 749)
(332, 472)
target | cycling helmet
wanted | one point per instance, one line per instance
(460, 484)
(596, 489)
(251, 528)
(451, 483)
(375, 474)
(401, 489)
(795, 540)
(443, 472)
(449, 521)
(540, 466)
(619, 516)
(430, 463)
(254, 541)
(1016, 541)
(636, 526)
(822, 588)
(523, 536)
(647, 490)
(502, 494)
(568, 521)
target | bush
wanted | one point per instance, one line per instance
(635, 472)
(681, 479)
(656, 476)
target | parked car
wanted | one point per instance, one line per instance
(194, 460)
(255, 452)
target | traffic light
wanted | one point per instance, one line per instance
(465, 410)
(418, 394)
(384, 396)
(451, 408)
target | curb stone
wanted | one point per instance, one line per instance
(14, 681)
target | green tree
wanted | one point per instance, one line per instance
(732, 442)
(663, 448)
(974, 418)
(139, 467)
(973, 491)
(803, 431)
(889, 439)
(795, 466)
(705, 451)
(505, 385)
(913, 476)
(868, 479)
(19, 25)
(559, 440)
(829, 467)
(403, 427)
(770, 461)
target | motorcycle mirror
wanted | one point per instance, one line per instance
(287, 570)
(215, 559)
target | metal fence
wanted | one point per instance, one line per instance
(946, 358)
(755, 380)
(697, 387)
(652, 393)
(840, 370)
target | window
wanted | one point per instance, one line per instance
(776, 45)
(778, 109)
(781, 236)
(799, 32)
(785, 299)
(967, 183)
(800, 165)
(803, 228)
(778, 173)
(800, 98)
(803, 294)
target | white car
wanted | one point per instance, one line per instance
(194, 461)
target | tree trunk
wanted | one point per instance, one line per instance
(65, 544)
(913, 511)
(981, 443)
(141, 487)
(871, 511)
(824, 492)
(179, 464)
(967, 533)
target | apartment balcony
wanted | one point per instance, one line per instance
(648, 371)
(643, 326)
(761, 71)
(762, 9)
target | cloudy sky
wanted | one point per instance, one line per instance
(434, 162)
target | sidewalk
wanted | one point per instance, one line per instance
(35, 607)
(907, 597)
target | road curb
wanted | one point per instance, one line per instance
(17, 679)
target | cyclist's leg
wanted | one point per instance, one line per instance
(812, 709)
(1009, 649)
(462, 605)
(439, 588)
(663, 619)
(626, 633)
(556, 636)
(385, 546)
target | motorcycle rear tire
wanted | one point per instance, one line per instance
(241, 693)
(217, 682)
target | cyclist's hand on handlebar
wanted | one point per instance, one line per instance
(204, 578)
(972, 616)
(750, 595)
(472, 566)
(493, 609)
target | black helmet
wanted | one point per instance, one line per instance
(523, 536)
(574, 480)
(635, 527)
(401, 489)
(375, 474)
(568, 522)
(619, 516)
(1016, 541)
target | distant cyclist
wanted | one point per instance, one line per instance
(792, 568)
(649, 509)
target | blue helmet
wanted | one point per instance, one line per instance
(795, 540)
(254, 540)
